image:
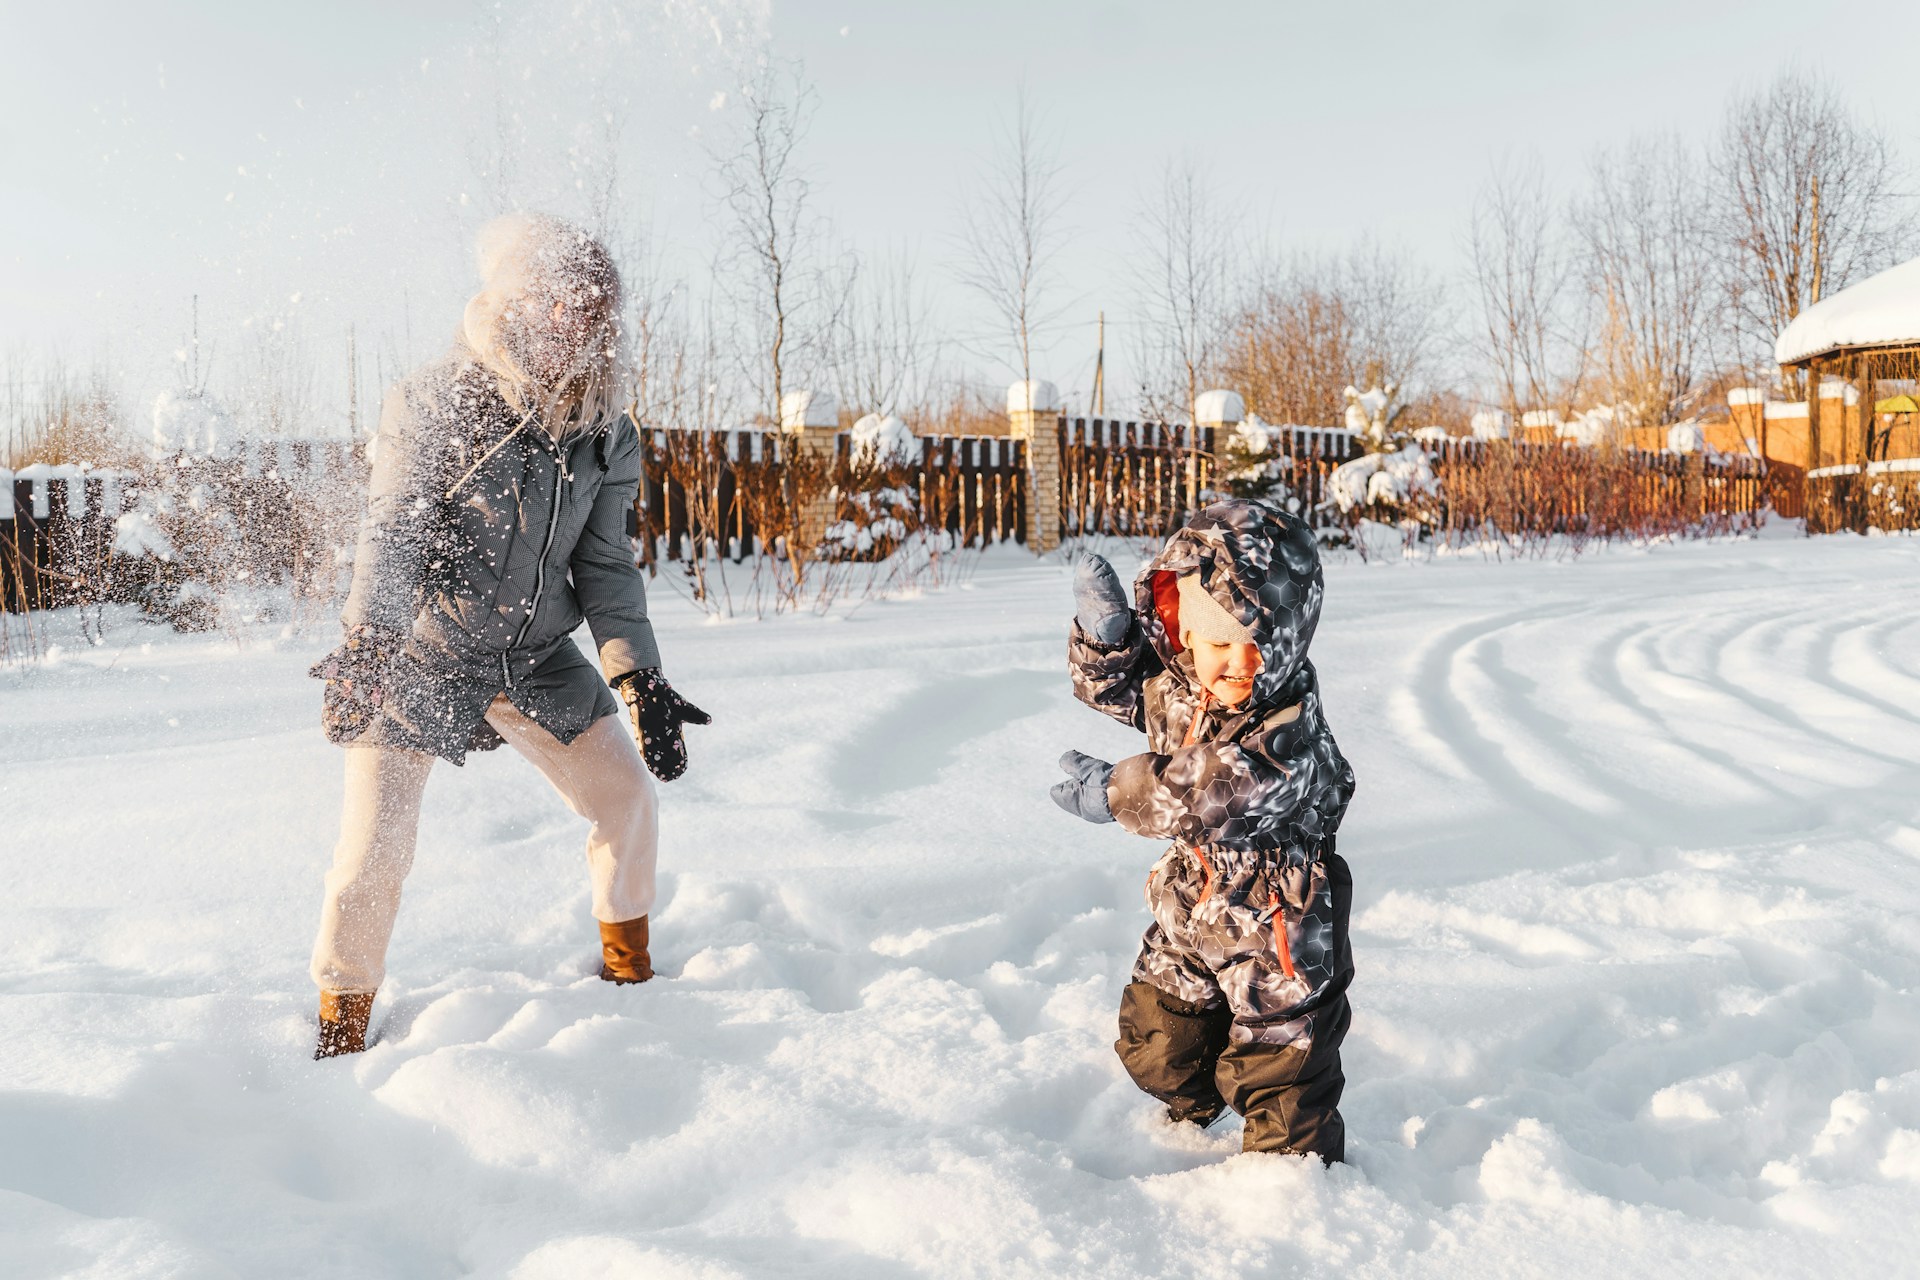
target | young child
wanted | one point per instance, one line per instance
(1238, 998)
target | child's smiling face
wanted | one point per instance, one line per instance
(1226, 671)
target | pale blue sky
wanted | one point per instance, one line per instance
(253, 151)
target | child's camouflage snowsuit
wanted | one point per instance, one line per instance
(1239, 993)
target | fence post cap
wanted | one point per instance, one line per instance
(1033, 395)
(1219, 408)
(806, 408)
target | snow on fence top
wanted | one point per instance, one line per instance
(1492, 424)
(73, 475)
(802, 409)
(1880, 311)
(1219, 408)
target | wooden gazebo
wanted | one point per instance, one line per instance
(1866, 336)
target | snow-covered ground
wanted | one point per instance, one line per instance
(1637, 851)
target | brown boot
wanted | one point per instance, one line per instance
(624, 948)
(343, 1022)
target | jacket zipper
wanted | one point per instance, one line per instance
(1199, 851)
(540, 569)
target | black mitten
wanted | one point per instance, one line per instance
(356, 675)
(658, 713)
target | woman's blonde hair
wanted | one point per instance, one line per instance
(528, 262)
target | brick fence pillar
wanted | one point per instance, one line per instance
(1219, 411)
(810, 422)
(1033, 415)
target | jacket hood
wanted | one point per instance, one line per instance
(1261, 565)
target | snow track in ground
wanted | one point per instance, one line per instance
(1637, 862)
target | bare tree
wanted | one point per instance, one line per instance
(498, 161)
(1805, 201)
(1521, 279)
(278, 379)
(884, 357)
(1650, 270)
(1184, 249)
(1011, 232)
(1290, 349)
(781, 291)
(1398, 315)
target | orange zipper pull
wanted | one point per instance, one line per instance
(1282, 949)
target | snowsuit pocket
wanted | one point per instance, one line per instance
(1267, 939)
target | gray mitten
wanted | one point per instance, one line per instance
(1084, 794)
(1099, 601)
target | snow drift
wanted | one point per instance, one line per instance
(1637, 854)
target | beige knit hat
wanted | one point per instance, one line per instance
(1203, 617)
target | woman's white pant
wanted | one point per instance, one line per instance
(600, 776)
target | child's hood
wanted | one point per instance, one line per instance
(1260, 564)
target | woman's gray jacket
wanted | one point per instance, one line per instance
(485, 565)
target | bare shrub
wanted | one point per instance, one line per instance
(205, 540)
(1315, 326)
(1529, 498)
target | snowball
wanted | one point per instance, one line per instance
(135, 534)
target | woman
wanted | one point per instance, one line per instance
(498, 519)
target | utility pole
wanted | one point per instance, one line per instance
(1100, 370)
(1817, 238)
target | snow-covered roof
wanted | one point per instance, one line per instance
(1880, 311)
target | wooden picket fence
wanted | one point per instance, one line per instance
(691, 493)
(56, 538)
(1130, 479)
(1140, 479)
(973, 487)
(708, 493)
(1881, 495)
(1536, 490)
